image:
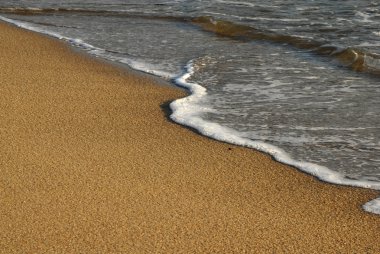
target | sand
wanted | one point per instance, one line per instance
(90, 163)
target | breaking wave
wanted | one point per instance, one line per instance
(352, 58)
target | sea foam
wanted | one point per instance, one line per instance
(188, 111)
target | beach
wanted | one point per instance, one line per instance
(91, 163)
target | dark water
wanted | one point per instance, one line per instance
(302, 76)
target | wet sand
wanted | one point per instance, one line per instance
(90, 163)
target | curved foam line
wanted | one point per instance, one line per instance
(187, 111)
(372, 206)
(76, 42)
(92, 49)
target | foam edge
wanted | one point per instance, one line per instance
(187, 111)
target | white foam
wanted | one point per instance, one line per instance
(236, 3)
(135, 64)
(146, 67)
(254, 18)
(363, 17)
(189, 110)
(368, 44)
(31, 27)
(373, 206)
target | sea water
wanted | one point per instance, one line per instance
(296, 79)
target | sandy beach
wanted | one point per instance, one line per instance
(90, 163)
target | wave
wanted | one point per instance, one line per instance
(188, 111)
(39, 11)
(352, 58)
(50, 11)
(235, 3)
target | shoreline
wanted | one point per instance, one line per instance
(178, 191)
(193, 120)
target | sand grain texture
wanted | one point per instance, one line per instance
(90, 164)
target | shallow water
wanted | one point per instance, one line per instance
(302, 77)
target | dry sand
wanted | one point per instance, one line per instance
(89, 163)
